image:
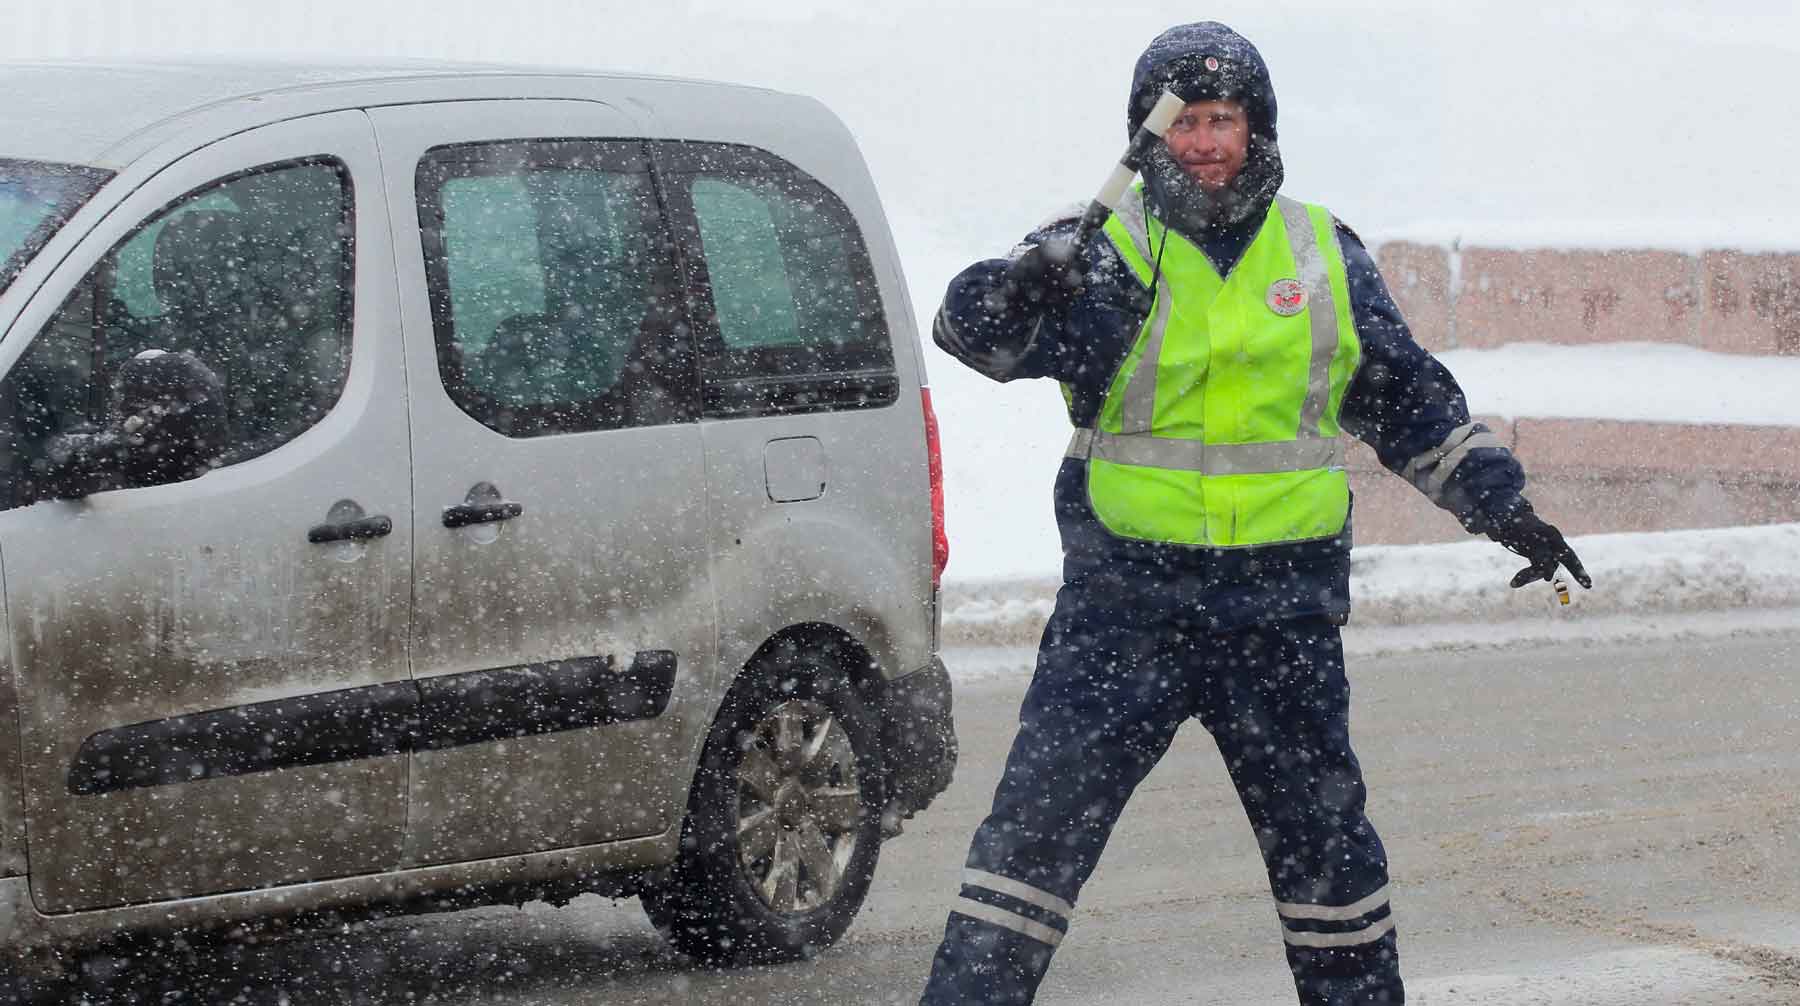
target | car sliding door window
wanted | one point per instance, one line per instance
(552, 284)
(786, 305)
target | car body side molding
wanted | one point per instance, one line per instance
(374, 721)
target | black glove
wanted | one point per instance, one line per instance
(1524, 532)
(1047, 275)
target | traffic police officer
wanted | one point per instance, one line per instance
(1211, 350)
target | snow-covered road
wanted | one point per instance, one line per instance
(1579, 824)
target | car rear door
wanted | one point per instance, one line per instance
(213, 683)
(563, 625)
(815, 462)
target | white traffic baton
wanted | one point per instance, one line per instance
(1148, 135)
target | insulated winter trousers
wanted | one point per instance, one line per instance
(1109, 692)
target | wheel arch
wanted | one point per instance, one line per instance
(842, 648)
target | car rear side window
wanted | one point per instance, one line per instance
(787, 308)
(553, 290)
(252, 274)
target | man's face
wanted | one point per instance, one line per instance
(1210, 140)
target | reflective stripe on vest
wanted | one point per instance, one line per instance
(1263, 463)
(1208, 459)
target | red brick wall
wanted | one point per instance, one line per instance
(1751, 303)
(1596, 476)
(1724, 301)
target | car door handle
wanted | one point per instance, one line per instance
(465, 514)
(360, 529)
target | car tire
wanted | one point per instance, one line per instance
(783, 826)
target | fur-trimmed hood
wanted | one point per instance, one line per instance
(1209, 62)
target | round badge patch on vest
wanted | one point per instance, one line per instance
(1287, 297)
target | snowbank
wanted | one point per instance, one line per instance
(1648, 382)
(1435, 592)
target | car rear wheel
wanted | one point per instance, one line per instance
(783, 827)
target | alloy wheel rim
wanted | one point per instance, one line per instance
(799, 806)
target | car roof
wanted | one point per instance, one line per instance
(102, 114)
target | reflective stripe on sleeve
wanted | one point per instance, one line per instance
(1351, 939)
(1147, 451)
(1013, 888)
(1431, 470)
(1008, 920)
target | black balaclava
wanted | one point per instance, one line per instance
(1208, 62)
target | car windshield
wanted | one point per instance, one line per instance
(36, 197)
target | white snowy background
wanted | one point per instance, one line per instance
(1614, 124)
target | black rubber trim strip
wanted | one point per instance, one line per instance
(485, 706)
(375, 721)
(346, 725)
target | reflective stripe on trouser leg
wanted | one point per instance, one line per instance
(1279, 711)
(1363, 921)
(1011, 904)
(1100, 711)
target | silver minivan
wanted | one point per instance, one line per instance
(429, 487)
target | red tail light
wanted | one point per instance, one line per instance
(940, 542)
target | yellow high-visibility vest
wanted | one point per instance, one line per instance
(1221, 427)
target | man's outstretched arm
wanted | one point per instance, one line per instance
(1407, 406)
